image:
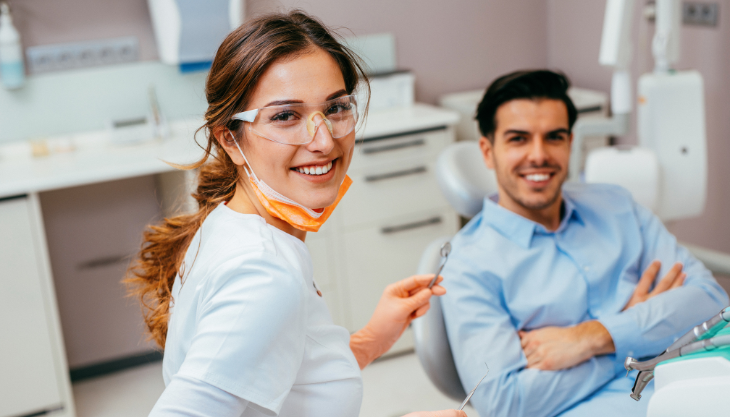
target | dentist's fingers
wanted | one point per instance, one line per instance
(415, 282)
(418, 286)
(668, 280)
(438, 290)
(421, 311)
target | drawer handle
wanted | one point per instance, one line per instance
(103, 262)
(393, 147)
(396, 174)
(410, 226)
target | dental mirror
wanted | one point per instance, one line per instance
(445, 250)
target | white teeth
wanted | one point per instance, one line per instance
(315, 170)
(537, 177)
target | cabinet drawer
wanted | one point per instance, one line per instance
(395, 148)
(392, 190)
(378, 256)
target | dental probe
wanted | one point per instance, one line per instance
(468, 397)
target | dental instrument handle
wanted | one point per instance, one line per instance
(711, 326)
(468, 397)
(436, 276)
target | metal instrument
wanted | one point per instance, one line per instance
(700, 338)
(468, 397)
(445, 250)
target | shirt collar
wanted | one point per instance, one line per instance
(519, 229)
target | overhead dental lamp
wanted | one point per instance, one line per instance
(188, 32)
(667, 172)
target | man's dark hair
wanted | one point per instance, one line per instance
(531, 85)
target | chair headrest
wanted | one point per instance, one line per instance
(464, 178)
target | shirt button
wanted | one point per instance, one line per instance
(586, 268)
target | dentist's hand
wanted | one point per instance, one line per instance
(401, 302)
(442, 413)
(674, 279)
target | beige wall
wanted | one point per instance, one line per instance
(43, 22)
(461, 45)
(574, 33)
(451, 46)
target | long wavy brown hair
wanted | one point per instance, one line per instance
(241, 60)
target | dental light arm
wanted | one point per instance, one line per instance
(616, 53)
(665, 45)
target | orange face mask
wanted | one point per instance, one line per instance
(284, 208)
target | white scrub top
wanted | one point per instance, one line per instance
(246, 318)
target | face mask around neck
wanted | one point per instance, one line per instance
(286, 209)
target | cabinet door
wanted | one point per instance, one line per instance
(378, 256)
(28, 376)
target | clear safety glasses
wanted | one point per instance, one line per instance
(297, 123)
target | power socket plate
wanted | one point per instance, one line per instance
(700, 13)
(70, 56)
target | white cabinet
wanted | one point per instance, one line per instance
(32, 369)
(392, 211)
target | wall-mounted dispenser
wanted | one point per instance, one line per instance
(12, 69)
(188, 32)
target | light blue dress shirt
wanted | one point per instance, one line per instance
(507, 273)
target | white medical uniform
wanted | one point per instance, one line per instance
(246, 319)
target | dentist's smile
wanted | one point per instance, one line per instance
(317, 172)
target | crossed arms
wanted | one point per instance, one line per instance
(554, 348)
(545, 371)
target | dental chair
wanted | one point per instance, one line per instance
(695, 367)
(465, 181)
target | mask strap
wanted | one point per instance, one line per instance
(249, 173)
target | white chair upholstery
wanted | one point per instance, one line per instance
(464, 180)
(429, 334)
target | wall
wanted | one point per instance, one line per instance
(434, 38)
(450, 45)
(44, 22)
(574, 33)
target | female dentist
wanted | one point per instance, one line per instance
(228, 291)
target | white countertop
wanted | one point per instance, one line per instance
(97, 160)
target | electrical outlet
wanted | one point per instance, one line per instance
(696, 13)
(69, 56)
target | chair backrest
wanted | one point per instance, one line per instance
(464, 180)
(429, 333)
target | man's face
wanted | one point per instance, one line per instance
(530, 153)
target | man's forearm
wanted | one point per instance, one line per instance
(555, 348)
(597, 339)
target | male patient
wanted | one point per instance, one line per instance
(554, 284)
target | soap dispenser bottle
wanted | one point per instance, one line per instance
(12, 71)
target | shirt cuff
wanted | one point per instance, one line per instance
(623, 330)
